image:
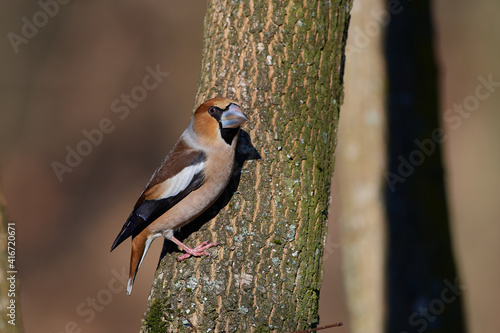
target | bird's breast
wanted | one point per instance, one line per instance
(217, 175)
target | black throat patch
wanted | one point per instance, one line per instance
(228, 134)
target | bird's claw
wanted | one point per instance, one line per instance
(197, 251)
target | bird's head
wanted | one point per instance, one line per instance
(218, 116)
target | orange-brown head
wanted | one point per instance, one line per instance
(216, 116)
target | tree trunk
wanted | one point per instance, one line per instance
(283, 62)
(423, 285)
(360, 170)
(10, 311)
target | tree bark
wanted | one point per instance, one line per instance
(283, 62)
(8, 292)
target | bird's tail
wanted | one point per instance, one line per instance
(140, 246)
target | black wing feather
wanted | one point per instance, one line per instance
(150, 210)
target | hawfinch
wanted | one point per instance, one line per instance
(188, 181)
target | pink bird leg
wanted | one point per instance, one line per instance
(197, 251)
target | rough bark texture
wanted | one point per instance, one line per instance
(424, 290)
(5, 298)
(283, 62)
(360, 169)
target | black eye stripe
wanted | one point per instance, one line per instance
(215, 112)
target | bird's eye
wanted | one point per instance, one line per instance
(211, 110)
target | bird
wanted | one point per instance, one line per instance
(189, 180)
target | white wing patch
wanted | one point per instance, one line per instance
(180, 181)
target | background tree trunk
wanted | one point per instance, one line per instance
(423, 285)
(283, 62)
(5, 298)
(360, 168)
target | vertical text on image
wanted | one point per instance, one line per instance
(11, 272)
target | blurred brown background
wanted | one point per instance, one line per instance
(66, 77)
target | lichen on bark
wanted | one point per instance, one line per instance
(283, 62)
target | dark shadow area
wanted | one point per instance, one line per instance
(244, 151)
(423, 288)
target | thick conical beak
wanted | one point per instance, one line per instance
(233, 117)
